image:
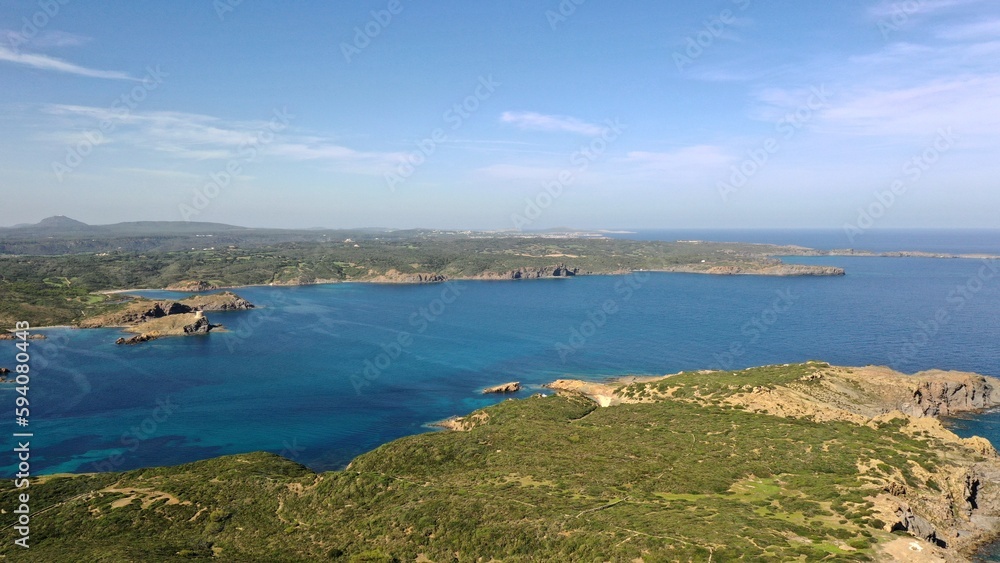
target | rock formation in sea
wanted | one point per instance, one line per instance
(512, 387)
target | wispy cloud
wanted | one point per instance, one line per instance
(969, 104)
(887, 8)
(44, 62)
(48, 38)
(946, 74)
(989, 29)
(682, 159)
(532, 121)
(204, 137)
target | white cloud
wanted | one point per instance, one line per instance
(203, 137)
(683, 159)
(969, 104)
(533, 121)
(44, 62)
(989, 29)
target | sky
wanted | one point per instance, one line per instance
(503, 115)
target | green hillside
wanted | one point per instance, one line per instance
(546, 478)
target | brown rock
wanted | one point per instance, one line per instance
(139, 338)
(512, 387)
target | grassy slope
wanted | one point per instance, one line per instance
(47, 290)
(542, 479)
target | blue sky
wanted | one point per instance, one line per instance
(500, 115)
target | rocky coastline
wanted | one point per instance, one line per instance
(151, 319)
(950, 519)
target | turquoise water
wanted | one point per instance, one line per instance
(291, 377)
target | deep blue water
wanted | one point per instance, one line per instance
(291, 377)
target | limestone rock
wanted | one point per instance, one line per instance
(512, 387)
(137, 339)
(944, 396)
(917, 526)
(199, 326)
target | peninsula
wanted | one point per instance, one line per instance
(790, 462)
(62, 272)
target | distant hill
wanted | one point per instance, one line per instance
(63, 224)
(63, 235)
(59, 223)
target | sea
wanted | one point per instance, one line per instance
(321, 374)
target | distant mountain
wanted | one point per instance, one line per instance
(59, 223)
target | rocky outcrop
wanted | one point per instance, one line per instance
(12, 336)
(512, 387)
(917, 526)
(187, 324)
(463, 423)
(135, 313)
(143, 311)
(199, 326)
(395, 276)
(780, 270)
(560, 271)
(137, 339)
(604, 395)
(224, 301)
(192, 285)
(948, 395)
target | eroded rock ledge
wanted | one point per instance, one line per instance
(503, 389)
(145, 310)
(957, 505)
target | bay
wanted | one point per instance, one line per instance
(321, 374)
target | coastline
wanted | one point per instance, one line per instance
(687, 269)
(894, 392)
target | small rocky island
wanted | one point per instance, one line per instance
(503, 389)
